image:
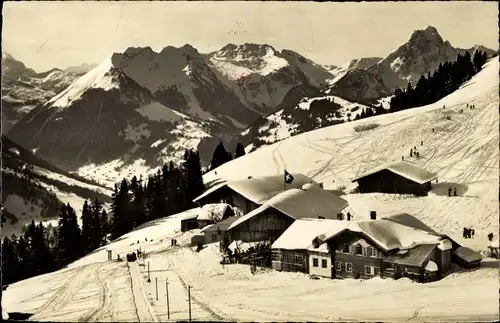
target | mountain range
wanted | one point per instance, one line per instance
(140, 108)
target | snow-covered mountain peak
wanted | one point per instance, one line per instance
(241, 60)
(430, 34)
(81, 69)
(102, 77)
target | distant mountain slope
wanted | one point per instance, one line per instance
(34, 189)
(102, 116)
(23, 88)
(421, 54)
(152, 106)
(309, 114)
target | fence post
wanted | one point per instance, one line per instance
(168, 304)
(156, 283)
(149, 276)
(189, 300)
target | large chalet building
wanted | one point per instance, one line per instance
(395, 246)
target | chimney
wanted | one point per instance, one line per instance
(373, 215)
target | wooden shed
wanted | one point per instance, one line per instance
(396, 178)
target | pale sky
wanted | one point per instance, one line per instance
(44, 35)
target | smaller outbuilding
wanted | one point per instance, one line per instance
(396, 178)
(216, 232)
(206, 215)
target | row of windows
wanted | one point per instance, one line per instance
(293, 259)
(369, 270)
(358, 250)
(324, 263)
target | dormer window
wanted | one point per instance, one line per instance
(359, 249)
(346, 248)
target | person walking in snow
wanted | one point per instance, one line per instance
(490, 236)
(464, 233)
(348, 216)
(454, 191)
(411, 152)
(449, 191)
(402, 157)
(421, 143)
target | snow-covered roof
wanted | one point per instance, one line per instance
(431, 266)
(467, 254)
(212, 211)
(412, 257)
(260, 189)
(301, 203)
(300, 235)
(404, 169)
(445, 245)
(389, 235)
(410, 221)
(220, 226)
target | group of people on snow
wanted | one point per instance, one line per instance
(452, 190)
(468, 233)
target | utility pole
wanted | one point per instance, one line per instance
(168, 304)
(149, 276)
(156, 283)
(189, 300)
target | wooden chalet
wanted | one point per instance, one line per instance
(396, 178)
(269, 221)
(206, 215)
(250, 193)
(396, 246)
(296, 251)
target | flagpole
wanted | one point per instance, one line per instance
(284, 180)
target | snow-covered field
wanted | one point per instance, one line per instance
(464, 151)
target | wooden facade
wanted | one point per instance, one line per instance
(319, 263)
(355, 257)
(267, 225)
(227, 195)
(386, 181)
(189, 224)
(290, 260)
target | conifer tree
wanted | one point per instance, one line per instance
(86, 227)
(192, 175)
(220, 156)
(239, 151)
(104, 227)
(138, 202)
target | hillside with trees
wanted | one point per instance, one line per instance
(42, 249)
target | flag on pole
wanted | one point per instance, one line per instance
(288, 177)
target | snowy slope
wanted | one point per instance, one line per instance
(23, 89)
(289, 122)
(33, 189)
(463, 151)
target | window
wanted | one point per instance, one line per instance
(377, 270)
(298, 260)
(369, 270)
(315, 262)
(338, 266)
(359, 249)
(372, 252)
(346, 248)
(324, 263)
(214, 237)
(348, 267)
(276, 255)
